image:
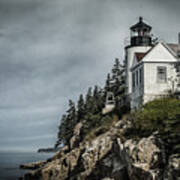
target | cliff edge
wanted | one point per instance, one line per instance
(116, 154)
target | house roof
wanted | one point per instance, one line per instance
(175, 48)
(172, 48)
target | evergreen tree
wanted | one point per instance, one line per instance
(116, 82)
(108, 82)
(96, 92)
(71, 111)
(89, 110)
(88, 103)
(71, 120)
(61, 130)
(94, 103)
(98, 99)
(89, 95)
(81, 108)
(119, 85)
(116, 69)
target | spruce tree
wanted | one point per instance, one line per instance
(81, 108)
(94, 105)
(89, 94)
(108, 82)
(89, 110)
(116, 82)
(95, 92)
(116, 69)
(98, 98)
(61, 130)
(71, 121)
(88, 103)
(119, 83)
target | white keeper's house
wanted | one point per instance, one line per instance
(152, 66)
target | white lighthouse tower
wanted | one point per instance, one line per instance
(140, 43)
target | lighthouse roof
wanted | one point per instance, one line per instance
(141, 26)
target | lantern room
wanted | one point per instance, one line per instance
(141, 34)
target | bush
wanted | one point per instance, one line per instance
(157, 115)
(104, 124)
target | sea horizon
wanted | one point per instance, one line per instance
(12, 159)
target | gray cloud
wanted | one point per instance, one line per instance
(51, 51)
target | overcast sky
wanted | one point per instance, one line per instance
(53, 50)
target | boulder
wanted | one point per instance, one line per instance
(172, 171)
(75, 140)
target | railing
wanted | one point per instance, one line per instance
(141, 41)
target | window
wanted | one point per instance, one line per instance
(137, 78)
(110, 98)
(140, 76)
(161, 74)
(178, 68)
(133, 82)
(178, 84)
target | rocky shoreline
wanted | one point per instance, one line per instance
(109, 156)
(33, 165)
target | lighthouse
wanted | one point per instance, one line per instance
(140, 43)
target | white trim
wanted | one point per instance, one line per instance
(165, 46)
(142, 60)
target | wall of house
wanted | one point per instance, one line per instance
(137, 87)
(152, 87)
(129, 56)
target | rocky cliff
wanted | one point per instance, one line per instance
(110, 156)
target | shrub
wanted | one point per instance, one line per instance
(157, 115)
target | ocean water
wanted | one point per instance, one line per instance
(10, 161)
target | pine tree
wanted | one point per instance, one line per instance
(72, 110)
(98, 99)
(81, 108)
(95, 92)
(108, 82)
(89, 110)
(61, 131)
(89, 94)
(116, 75)
(94, 103)
(71, 121)
(88, 103)
(119, 85)
(116, 82)
(67, 124)
(116, 69)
